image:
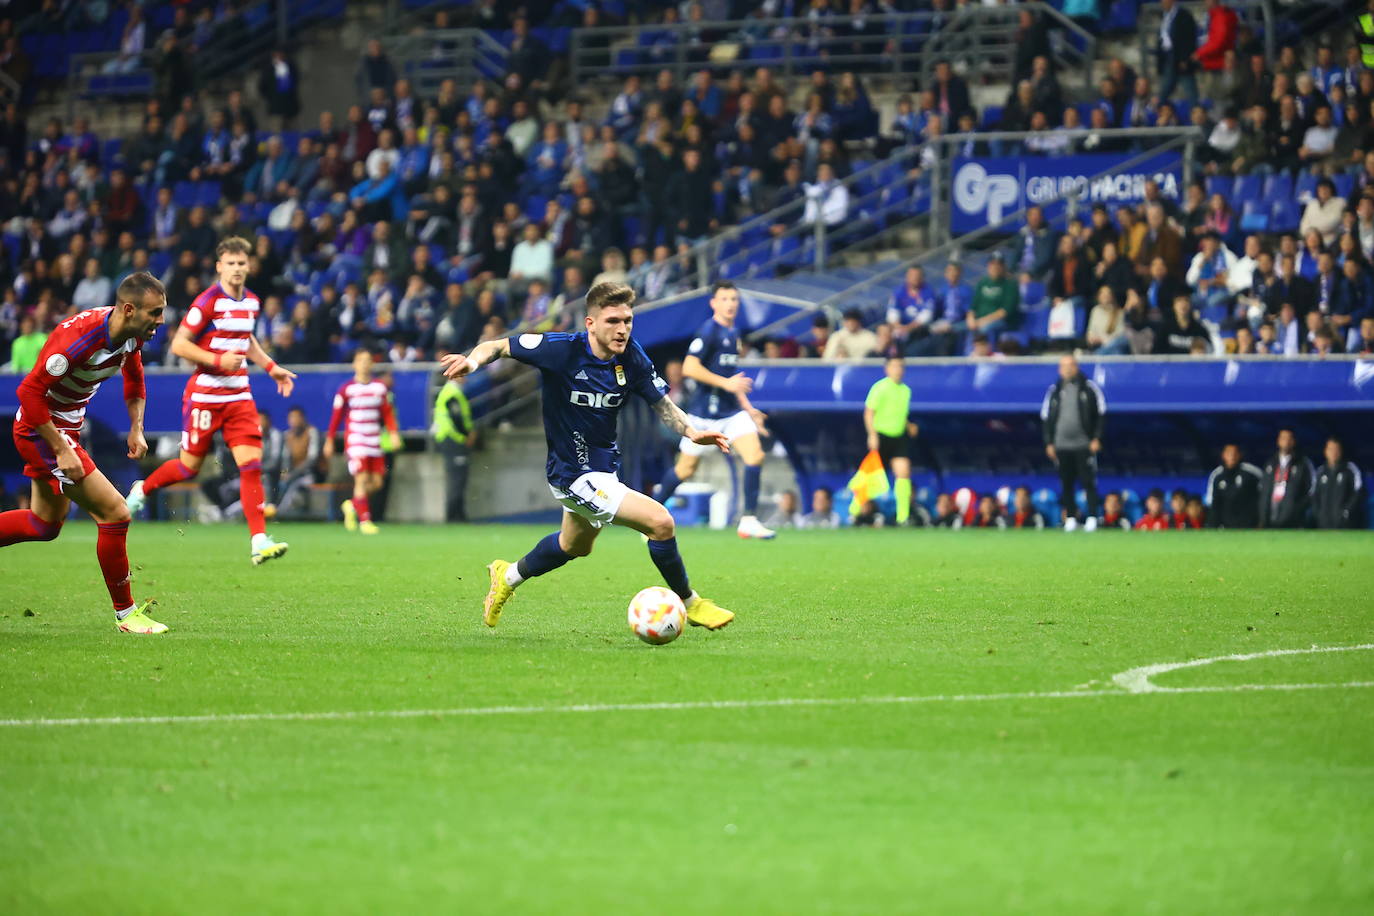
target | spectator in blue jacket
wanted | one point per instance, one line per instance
(544, 162)
(381, 198)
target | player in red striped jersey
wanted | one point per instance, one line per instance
(363, 405)
(217, 335)
(84, 351)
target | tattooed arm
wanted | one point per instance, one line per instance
(673, 418)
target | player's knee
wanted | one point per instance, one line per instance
(578, 548)
(116, 515)
(662, 528)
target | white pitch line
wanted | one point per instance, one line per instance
(470, 711)
(1137, 680)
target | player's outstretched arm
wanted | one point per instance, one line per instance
(284, 377)
(673, 418)
(456, 365)
(694, 369)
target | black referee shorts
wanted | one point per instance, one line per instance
(890, 447)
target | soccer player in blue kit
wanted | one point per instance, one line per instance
(720, 403)
(586, 377)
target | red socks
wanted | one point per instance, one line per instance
(251, 496)
(111, 548)
(22, 525)
(170, 472)
(361, 506)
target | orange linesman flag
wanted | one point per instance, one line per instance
(868, 482)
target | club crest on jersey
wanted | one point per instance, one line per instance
(620, 375)
(57, 365)
(602, 399)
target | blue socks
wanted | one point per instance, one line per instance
(546, 557)
(668, 486)
(752, 473)
(669, 562)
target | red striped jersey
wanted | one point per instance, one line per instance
(76, 358)
(221, 325)
(363, 407)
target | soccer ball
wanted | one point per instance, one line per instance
(657, 615)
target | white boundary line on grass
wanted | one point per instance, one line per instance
(1137, 680)
(1134, 682)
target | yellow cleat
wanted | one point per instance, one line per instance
(498, 595)
(703, 612)
(350, 515)
(139, 621)
(269, 550)
(368, 527)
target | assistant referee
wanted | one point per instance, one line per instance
(890, 430)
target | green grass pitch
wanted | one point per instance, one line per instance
(979, 796)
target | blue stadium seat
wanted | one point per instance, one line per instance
(184, 194)
(1047, 502)
(1216, 314)
(1278, 186)
(1036, 323)
(1219, 184)
(1254, 216)
(1345, 184)
(1034, 295)
(1246, 188)
(1306, 187)
(158, 262)
(1284, 217)
(208, 194)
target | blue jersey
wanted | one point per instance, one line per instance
(718, 349)
(582, 399)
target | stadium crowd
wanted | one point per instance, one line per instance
(419, 226)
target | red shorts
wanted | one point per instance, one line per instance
(366, 464)
(40, 462)
(237, 420)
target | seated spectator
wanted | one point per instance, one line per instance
(532, 259)
(1155, 518)
(869, 516)
(1106, 332)
(852, 340)
(1339, 495)
(1112, 514)
(1209, 272)
(787, 514)
(1178, 509)
(94, 290)
(996, 301)
(1070, 281)
(1180, 328)
(1319, 140)
(381, 198)
(827, 200)
(911, 311)
(989, 514)
(1194, 515)
(822, 514)
(1024, 514)
(1323, 212)
(946, 512)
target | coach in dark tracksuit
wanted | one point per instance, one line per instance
(1340, 487)
(1233, 492)
(1286, 486)
(1071, 420)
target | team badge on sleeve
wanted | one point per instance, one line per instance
(57, 365)
(620, 375)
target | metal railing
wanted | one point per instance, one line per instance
(978, 38)
(428, 58)
(266, 24)
(1176, 138)
(744, 244)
